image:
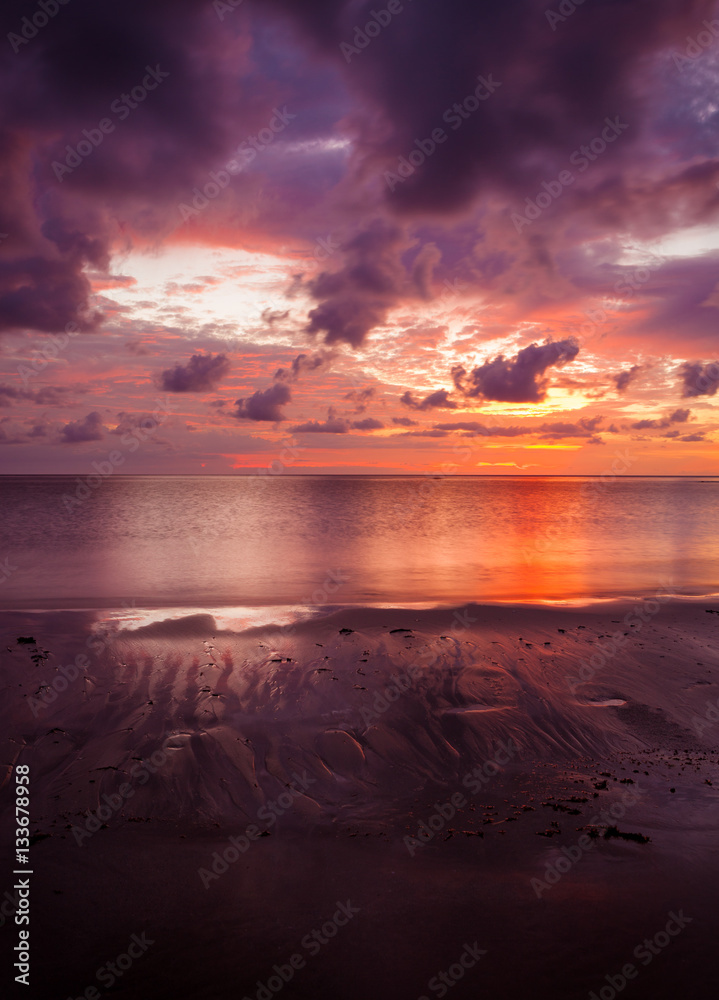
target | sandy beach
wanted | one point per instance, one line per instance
(532, 782)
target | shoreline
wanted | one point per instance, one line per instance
(318, 610)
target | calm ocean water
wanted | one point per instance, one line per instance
(251, 542)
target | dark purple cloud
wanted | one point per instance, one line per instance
(202, 373)
(301, 364)
(404, 422)
(361, 398)
(358, 296)
(264, 405)
(585, 428)
(519, 379)
(435, 432)
(332, 425)
(368, 424)
(679, 416)
(88, 429)
(482, 430)
(623, 379)
(699, 379)
(555, 87)
(46, 395)
(439, 400)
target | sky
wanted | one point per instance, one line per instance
(329, 236)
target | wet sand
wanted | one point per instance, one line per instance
(464, 777)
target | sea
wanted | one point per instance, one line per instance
(310, 542)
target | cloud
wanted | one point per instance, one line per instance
(519, 379)
(337, 425)
(624, 378)
(88, 429)
(584, 428)
(46, 395)
(264, 404)
(405, 422)
(679, 416)
(439, 400)
(302, 363)
(433, 433)
(699, 379)
(483, 430)
(368, 424)
(137, 348)
(332, 425)
(202, 373)
(45, 294)
(360, 397)
(693, 437)
(356, 298)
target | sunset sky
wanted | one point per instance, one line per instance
(447, 236)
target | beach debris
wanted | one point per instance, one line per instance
(600, 785)
(346, 631)
(613, 831)
(393, 631)
(26, 640)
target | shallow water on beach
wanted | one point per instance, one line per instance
(192, 542)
